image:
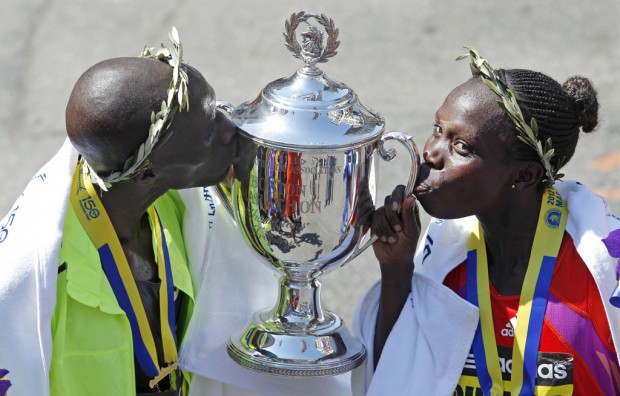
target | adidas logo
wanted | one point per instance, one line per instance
(509, 329)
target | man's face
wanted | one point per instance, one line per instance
(464, 171)
(203, 145)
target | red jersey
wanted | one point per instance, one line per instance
(576, 350)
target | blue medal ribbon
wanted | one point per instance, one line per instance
(97, 224)
(532, 303)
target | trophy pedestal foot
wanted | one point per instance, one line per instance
(305, 350)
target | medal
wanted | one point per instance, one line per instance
(532, 303)
(97, 224)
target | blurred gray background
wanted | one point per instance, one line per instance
(397, 55)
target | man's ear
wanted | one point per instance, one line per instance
(528, 175)
(146, 177)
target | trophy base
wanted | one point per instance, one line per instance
(298, 350)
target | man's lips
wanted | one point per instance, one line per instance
(421, 189)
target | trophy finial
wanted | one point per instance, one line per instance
(311, 44)
(311, 50)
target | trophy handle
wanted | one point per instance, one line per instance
(224, 188)
(388, 155)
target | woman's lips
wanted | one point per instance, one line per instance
(423, 184)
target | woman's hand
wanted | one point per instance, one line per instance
(397, 225)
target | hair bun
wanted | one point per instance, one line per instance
(581, 90)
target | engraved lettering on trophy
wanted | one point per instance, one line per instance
(322, 170)
(311, 207)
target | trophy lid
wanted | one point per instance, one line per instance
(309, 111)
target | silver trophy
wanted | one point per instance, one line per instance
(315, 145)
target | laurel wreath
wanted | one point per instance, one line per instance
(330, 28)
(527, 133)
(177, 100)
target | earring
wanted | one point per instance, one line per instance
(512, 186)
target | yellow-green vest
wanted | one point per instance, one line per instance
(92, 349)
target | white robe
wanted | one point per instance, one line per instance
(233, 284)
(229, 285)
(426, 350)
(29, 247)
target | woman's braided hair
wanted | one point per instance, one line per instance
(561, 111)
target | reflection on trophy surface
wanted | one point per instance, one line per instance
(314, 147)
(294, 190)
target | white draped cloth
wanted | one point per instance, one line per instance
(229, 285)
(232, 285)
(427, 348)
(29, 245)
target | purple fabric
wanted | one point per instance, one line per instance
(579, 332)
(612, 242)
(4, 383)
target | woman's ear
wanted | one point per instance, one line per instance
(528, 175)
